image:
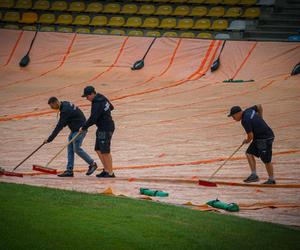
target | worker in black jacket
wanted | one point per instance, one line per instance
(71, 116)
(101, 117)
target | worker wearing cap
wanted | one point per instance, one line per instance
(101, 116)
(71, 116)
(261, 137)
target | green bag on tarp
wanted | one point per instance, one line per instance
(231, 207)
(150, 192)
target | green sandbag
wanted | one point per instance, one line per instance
(231, 207)
(231, 80)
(150, 192)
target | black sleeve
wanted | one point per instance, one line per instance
(60, 125)
(247, 125)
(96, 111)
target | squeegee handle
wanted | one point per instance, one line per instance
(29, 156)
(225, 162)
(149, 48)
(59, 152)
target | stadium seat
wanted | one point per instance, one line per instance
(118, 32)
(116, 21)
(252, 12)
(135, 33)
(7, 3)
(59, 6)
(160, 1)
(202, 24)
(170, 34)
(11, 26)
(178, 1)
(82, 20)
(153, 33)
(144, 0)
(199, 11)
(147, 9)
(181, 10)
(133, 22)
(101, 31)
(23, 4)
(99, 21)
(185, 23)
(94, 7)
(76, 6)
(112, 8)
(237, 25)
(205, 35)
(230, 2)
(222, 36)
(41, 5)
(187, 35)
(64, 19)
(150, 22)
(29, 28)
(164, 10)
(168, 23)
(196, 1)
(213, 1)
(46, 18)
(47, 29)
(216, 12)
(83, 30)
(65, 29)
(220, 24)
(11, 16)
(29, 17)
(129, 9)
(233, 12)
(247, 2)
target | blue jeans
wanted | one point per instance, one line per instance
(75, 147)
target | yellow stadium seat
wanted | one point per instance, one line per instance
(213, 1)
(199, 11)
(161, 1)
(178, 1)
(65, 29)
(59, 6)
(233, 12)
(205, 35)
(181, 10)
(133, 22)
(76, 6)
(135, 33)
(196, 1)
(47, 18)
(248, 2)
(83, 30)
(129, 9)
(153, 33)
(150, 22)
(11, 16)
(112, 8)
(118, 32)
(216, 12)
(41, 5)
(144, 0)
(29, 28)
(187, 35)
(252, 12)
(11, 27)
(220, 24)
(147, 9)
(116, 21)
(23, 4)
(230, 2)
(170, 34)
(168, 23)
(101, 31)
(185, 23)
(64, 19)
(164, 10)
(29, 17)
(94, 7)
(99, 21)
(47, 29)
(202, 24)
(7, 3)
(82, 20)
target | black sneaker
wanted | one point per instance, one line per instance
(270, 182)
(67, 173)
(105, 174)
(252, 178)
(92, 168)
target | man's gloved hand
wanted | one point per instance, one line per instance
(46, 141)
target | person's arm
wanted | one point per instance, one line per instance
(60, 125)
(259, 110)
(95, 113)
(249, 138)
(248, 129)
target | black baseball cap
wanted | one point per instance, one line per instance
(88, 90)
(234, 110)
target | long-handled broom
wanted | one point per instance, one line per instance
(46, 169)
(216, 63)
(209, 183)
